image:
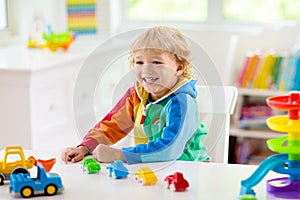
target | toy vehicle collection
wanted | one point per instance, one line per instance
(44, 183)
(47, 183)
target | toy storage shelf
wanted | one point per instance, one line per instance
(237, 132)
(256, 135)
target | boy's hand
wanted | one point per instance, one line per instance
(73, 155)
(104, 153)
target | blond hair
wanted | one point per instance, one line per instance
(164, 38)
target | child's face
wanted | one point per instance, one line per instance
(156, 71)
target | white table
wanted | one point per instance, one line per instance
(208, 181)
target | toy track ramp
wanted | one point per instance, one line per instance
(267, 165)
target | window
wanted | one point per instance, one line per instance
(168, 10)
(3, 15)
(213, 11)
(261, 10)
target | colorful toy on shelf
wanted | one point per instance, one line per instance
(117, 170)
(18, 166)
(44, 183)
(90, 166)
(54, 41)
(145, 176)
(176, 182)
(288, 161)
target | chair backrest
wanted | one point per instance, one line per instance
(216, 104)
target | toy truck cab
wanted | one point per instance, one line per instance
(176, 182)
(19, 166)
(117, 170)
(44, 183)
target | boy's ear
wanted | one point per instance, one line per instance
(180, 70)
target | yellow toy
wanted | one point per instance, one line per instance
(145, 176)
(53, 41)
(18, 166)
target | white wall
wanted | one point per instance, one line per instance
(54, 12)
(225, 45)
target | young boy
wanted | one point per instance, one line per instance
(161, 108)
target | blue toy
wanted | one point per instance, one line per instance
(117, 170)
(45, 183)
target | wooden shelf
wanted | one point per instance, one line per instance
(260, 92)
(259, 134)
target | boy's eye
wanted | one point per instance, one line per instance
(139, 62)
(156, 62)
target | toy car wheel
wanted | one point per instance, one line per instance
(142, 181)
(113, 175)
(166, 184)
(107, 172)
(20, 171)
(136, 178)
(1, 179)
(26, 192)
(50, 190)
(172, 187)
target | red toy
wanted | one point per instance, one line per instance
(176, 182)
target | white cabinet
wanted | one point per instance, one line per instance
(36, 97)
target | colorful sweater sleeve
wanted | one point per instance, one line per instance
(115, 125)
(181, 123)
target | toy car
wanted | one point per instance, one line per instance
(176, 182)
(145, 176)
(90, 165)
(15, 167)
(117, 170)
(44, 183)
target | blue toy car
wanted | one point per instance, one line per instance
(117, 170)
(45, 183)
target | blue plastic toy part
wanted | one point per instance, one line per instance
(247, 197)
(117, 170)
(44, 183)
(268, 164)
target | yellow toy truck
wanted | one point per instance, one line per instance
(15, 167)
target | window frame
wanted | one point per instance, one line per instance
(6, 33)
(5, 15)
(214, 20)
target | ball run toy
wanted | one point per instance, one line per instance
(288, 160)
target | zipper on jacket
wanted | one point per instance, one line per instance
(144, 114)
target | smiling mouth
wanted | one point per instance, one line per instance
(149, 79)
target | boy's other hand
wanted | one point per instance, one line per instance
(104, 153)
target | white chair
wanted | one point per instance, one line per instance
(216, 104)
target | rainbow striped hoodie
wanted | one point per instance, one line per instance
(164, 130)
